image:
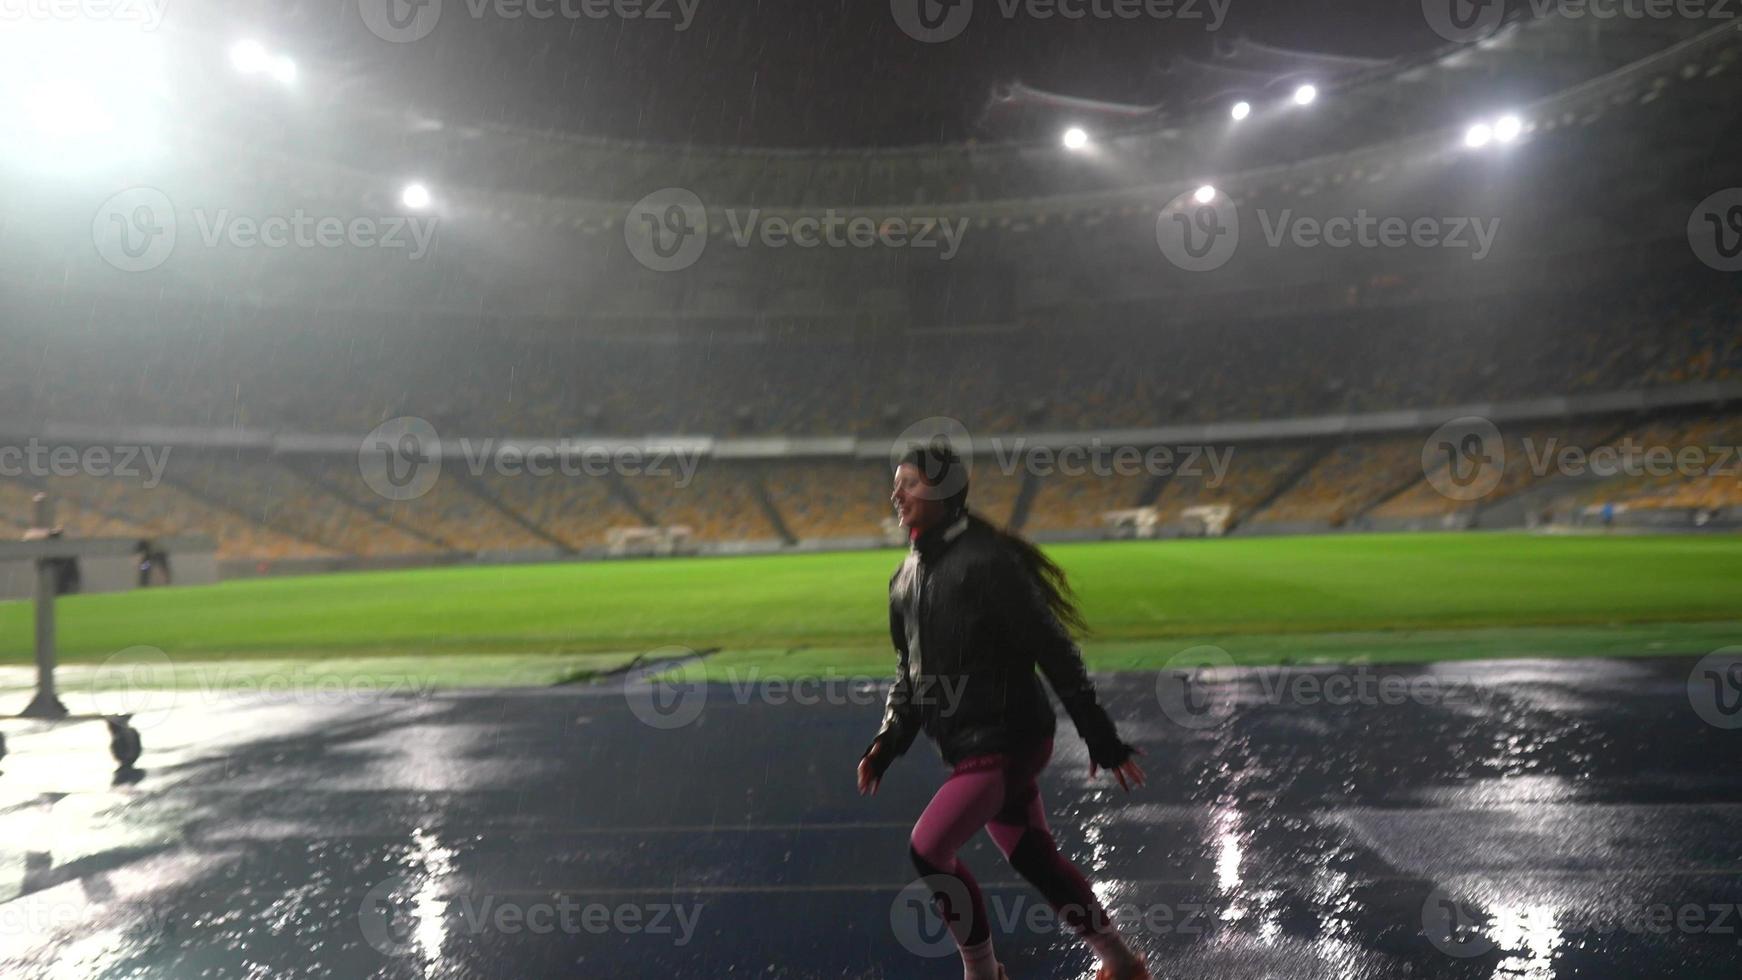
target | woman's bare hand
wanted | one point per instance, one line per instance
(1128, 773)
(868, 778)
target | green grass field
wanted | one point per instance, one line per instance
(1333, 598)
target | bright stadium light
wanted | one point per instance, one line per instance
(1478, 135)
(1204, 194)
(1507, 128)
(79, 97)
(1075, 138)
(1241, 110)
(65, 113)
(1305, 94)
(250, 57)
(415, 196)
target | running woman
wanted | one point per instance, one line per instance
(973, 610)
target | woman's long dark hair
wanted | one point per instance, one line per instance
(942, 468)
(1054, 586)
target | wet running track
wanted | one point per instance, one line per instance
(1528, 819)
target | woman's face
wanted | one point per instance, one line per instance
(916, 503)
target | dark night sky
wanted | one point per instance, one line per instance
(802, 72)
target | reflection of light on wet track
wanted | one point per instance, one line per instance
(435, 863)
(1494, 793)
(1227, 861)
(1338, 941)
(94, 925)
(1528, 933)
(1333, 892)
(90, 955)
(1225, 836)
(432, 758)
(1094, 834)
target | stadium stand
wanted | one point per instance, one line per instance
(718, 504)
(1076, 502)
(1082, 367)
(1710, 478)
(1345, 479)
(575, 511)
(829, 498)
(314, 505)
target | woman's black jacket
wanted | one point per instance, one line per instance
(971, 623)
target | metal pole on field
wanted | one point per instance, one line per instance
(46, 704)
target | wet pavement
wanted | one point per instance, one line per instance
(1508, 820)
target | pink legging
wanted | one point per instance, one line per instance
(999, 792)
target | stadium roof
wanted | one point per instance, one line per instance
(1558, 71)
(1624, 121)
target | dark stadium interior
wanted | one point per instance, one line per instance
(365, 293)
